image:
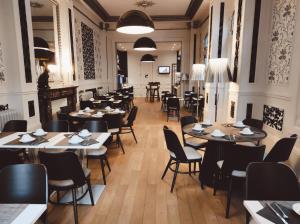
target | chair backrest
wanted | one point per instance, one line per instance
(65, 109)
(271, 181)
(15, 125)
(173, 102)
(173, 144)
(282, 149)
(24, 184)
(86, 103)
(63, 166)
(95, 126)
(132, 115)
(254, 123)
(185, 121)
(62, 116)
(57, 126)
(237, 157)
(9, 157)
(113, 120)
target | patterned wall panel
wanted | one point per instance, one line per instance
(2, 76)
(88, 51)
(283, 26)
(273, 117)
(98, 58)
(79, 58)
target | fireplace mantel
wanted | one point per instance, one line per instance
(48, 95)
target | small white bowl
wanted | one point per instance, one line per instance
(84, 133)
(39, 132)
(217, 133)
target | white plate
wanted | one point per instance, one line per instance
(40, 134)
(241, 132)
(84, 136)
(218, 136)
(200, 129)
(206, 124)
(96, 115)
(296, 208)
(88, 111)
(239, 126)
(77, 142)
(27, 141)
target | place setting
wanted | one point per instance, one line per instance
(198, 129)
(287, 212)
(83, 138)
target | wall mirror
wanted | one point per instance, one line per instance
(46, 39)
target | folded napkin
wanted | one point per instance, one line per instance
(268, 214)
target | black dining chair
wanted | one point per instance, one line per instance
(9, 157)
(254, 123)
(193, 142)
(128, 126)
(24, 184)
(233, 167)
(66, 173)
(179, 155)
(282, 149)
(173, 108)
(16, 126)
(114, 123)
(57, 126)
(271, 182)
(98, 154)
(86, 103)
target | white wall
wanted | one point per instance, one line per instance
(138, 70)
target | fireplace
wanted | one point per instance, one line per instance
(48, 95)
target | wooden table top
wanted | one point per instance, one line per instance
(231, 132)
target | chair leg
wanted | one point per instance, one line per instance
(229, 197)
(195, 167)
(132, 131)
(120, 143)
(175, 175)
(91, 192)
(107, 163)
(75, 206)
(215, 181)
(57, 196)
(103, 171)
(166, 169)
(190, 169)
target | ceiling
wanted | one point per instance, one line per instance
(203, 12)
(166, 7)
(45, 9)
(162, 10)
(161, 46)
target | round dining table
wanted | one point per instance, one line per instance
(214, 147)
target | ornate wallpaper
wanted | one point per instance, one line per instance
(273, 117)
(88, 51)
(283, 26)
(98, 58)
(2, 77)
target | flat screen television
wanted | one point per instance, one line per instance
(164, 70)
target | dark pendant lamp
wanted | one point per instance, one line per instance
(41, 50)
(135, 22)
(144, 44)
(148, 58)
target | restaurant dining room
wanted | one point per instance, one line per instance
(149, 111)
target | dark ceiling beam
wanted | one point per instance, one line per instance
(104, 15)
(42, 18)
(98, 9)
(193, 8)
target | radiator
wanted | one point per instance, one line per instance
(8, 115)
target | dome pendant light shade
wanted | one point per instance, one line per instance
(147, 58)
(144, 44)
(135, 22)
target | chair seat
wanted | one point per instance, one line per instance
(113, 130)
(68, 182)
(97, 152)
(247, 143)
(195, 142)
(191, 153)
(234, 173)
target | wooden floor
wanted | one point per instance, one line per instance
(135, 192)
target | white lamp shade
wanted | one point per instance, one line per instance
(198, 72)
(218, 70)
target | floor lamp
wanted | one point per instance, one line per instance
(198, 74)
(218, 72)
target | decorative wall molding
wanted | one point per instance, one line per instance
(263, 94)
(2, 68)
(283, 27)
(273, 117)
